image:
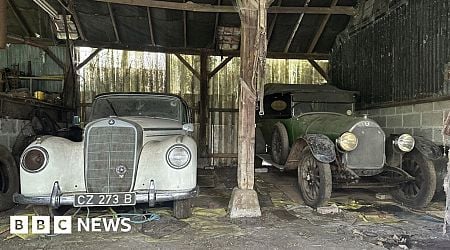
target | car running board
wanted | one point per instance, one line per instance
(268, 159)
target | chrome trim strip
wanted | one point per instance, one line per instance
(57, 199)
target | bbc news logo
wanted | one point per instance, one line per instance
(63, 224)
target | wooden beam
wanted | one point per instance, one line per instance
(321, 71)
(219, 67)
(76, 19)
(89, 58)
(185, 28)
(20, 19)
(65, 7)
(150, 26)
(216, 24)
(203, 111)
(272, 24)
(54, 57)
(43, 47)
(192, 51)
(3, 25)
(196, 7)
(190, 68)
(319, 32)
(294, 31)
(253, 14)
(113, 21)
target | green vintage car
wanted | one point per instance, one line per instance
(313, 129)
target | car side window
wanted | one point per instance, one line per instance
(277, 106)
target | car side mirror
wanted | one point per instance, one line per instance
(188, 127)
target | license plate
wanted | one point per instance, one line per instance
(107, 199)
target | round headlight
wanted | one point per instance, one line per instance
(34, 159)
(178, 156)
(348, 141)
(405, 142)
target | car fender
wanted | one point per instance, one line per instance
(427, 148)
(65, 165)
(322, 148)
(153, 165)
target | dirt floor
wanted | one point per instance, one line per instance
(364, 222)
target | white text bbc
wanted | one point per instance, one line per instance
(63, 224)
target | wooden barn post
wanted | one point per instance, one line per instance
(253, 49)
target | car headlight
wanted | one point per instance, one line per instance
(34, 159)
(178, 156)
(348, 141)
(405, 142)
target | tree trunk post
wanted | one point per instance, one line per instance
(253, 15)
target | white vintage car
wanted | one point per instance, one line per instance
(136, 149)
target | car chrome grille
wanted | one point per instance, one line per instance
(370, 151)
(106, 149)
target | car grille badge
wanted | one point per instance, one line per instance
(121, 170)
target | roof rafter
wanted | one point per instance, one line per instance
(19, 17)
(113, 21)
(185, 27)
(315, 40)
(196, 7)
(150, 26)
(76, 19)
(294, 31)
(272, 24)
(319, 32)
(216, 24)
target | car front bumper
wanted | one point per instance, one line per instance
(57, 198)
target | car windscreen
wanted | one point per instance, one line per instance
(167, 107)
(307, 107)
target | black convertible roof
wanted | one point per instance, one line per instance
(273, 88)
(312, 92)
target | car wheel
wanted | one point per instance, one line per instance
(50, 211)
(314, 180)
(9, 179)
(182, 209)
(419, 192)
(280, 144)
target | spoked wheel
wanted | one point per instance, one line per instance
(419, 192)
(314, 180)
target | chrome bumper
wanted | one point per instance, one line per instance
(57, 198)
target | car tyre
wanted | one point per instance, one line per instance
(314, 180)
(280, 144)
(182, 209)
(9, 179)
(417, 193)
